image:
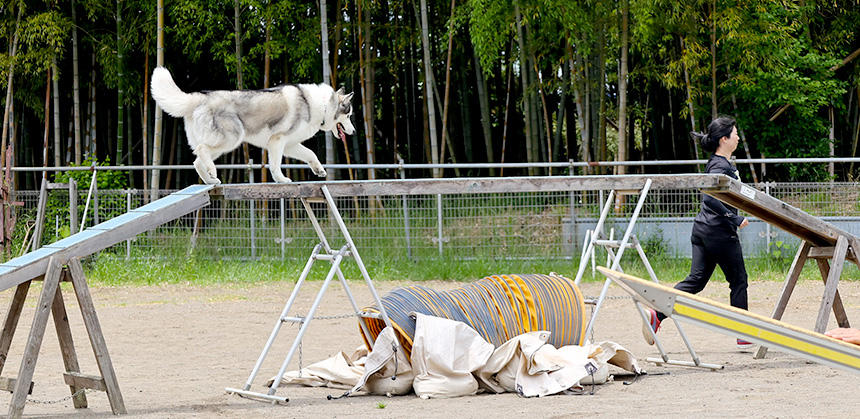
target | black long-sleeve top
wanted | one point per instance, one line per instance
(717, 219)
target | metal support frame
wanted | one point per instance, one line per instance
(321, 252)
(629, 240)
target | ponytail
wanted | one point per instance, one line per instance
(717, 129)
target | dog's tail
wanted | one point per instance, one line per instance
(170, 97)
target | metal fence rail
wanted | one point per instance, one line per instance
(546, 225)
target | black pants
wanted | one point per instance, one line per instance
(708, 252)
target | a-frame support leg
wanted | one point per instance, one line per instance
(67, 346)
(94, 330)
(34, 341)
(787, 288)
(831, 301)
(11, 322)
(830, 288)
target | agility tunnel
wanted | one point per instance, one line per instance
(498, 307)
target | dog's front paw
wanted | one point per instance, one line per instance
(212, 181)
(283, 179)
(319, 171)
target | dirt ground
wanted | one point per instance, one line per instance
(176, 347)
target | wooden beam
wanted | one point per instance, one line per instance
(787, 288)
(78, 380)
(633, 183)
(8, 384)
(34, 341)
(11, 322)
(67, 344)
(94, 330)
(832, 284)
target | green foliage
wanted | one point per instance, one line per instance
(105, 179)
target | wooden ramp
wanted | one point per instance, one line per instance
(829, 245)
(739, 323)
(60, 261)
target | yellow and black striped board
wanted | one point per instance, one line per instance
(740, 323)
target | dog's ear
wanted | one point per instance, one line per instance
(348, 97)
(341, 91)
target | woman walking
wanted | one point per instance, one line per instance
(715, 229)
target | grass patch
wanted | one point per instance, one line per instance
(108, 269)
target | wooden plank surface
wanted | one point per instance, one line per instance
(471, 185)
(106, 234)
(778, 213)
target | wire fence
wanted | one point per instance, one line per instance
(544, 225)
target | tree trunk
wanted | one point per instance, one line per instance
(367, 91)
(156, 135)
(145, 104)
(48, 127)
(580, 96)
(560, 114)
(601, 87)
(240, 84)
(547, 124)
(713, 59)
(623, 153)
(484, 103)
(8, 108)
(507, 106)
(76, 85)
(120, 94)
(55, 82)
(93, 118)
(329, 144)
(428, 77)
(267, 69)
(447, 82)
(690, 103)
(525, 83)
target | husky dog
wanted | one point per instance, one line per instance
(277, 119)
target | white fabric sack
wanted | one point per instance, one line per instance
(383, 364)
(530, 367)
(339, 371)
(444, 355)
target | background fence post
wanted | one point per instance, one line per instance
(252, 206)
(95, 196)
(128, 209)
(439, 221)
(405, 212)
(73, 206)
(283, 228)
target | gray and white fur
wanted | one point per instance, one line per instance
(278, 119)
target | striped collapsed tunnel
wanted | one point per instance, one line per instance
(498, 307)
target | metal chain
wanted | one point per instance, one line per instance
(611, 297)
(73, 395)
(338, 316)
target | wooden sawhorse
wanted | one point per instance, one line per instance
(830, 273)
(51, 302)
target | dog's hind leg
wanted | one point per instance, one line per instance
(205, 166)
(276, 157)
(305, 154)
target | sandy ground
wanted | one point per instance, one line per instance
(176, 347)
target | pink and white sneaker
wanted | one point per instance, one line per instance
(653, 324)
(742, 344)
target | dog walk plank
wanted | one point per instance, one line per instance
(735, 322)
(106, 234)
